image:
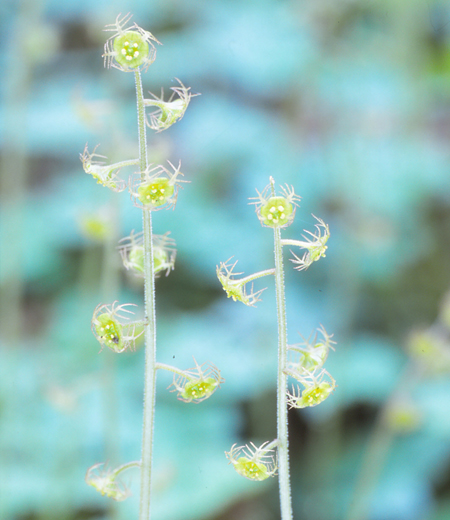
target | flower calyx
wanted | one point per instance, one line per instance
(105, 480)
(315, 245)
(104, 174)
(317, 386)
(196, 384)
(132, 252)
(156, 188)
(130, 47)
(109, 326)
(312, 354)
(276, 211)
(252, 462)
(168, 112)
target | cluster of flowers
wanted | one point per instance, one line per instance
(313, 383)
(131, 48)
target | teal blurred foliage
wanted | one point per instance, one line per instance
(349, 102)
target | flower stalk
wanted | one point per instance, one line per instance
(153, 187)
(277, 211)
(282, 417)
(150, 328)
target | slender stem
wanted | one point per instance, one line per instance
(128, 465)
(282, 419)
(150, 327)
(255, 276)
(122, 164)
(298, 243)
(170, 368)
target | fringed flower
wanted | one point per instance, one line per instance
(317, 386)
(197, 384)
(312, 354)
(105, 481)
(315, 245)
(104, 174)
(130, 47)
(156, 188)
(236, 288)
(252, 462)
(276, 210)
(132, 253)
(167, 113)
(110, 328)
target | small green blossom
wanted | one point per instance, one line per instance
(156, 188)
(198, 383)
(96, 226)
(169, 112)
(104, 174)
(276, 210)
(105, 481)
(315, 390)
(402, 416)
(312, 354)
(430, 348)
(109, 330)
(315, 246)
(132, 253)
(236, 288)
(129, 47)
(252, 462)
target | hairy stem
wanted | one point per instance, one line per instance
(170, 368)
(255, 276)
(150, 327)
(282, 419)
(128, 465)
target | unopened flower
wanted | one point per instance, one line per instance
(156, 187)
(276, 210)
(430, 348)
(236, 288)
(315, 245)
(105, 174)
(252, 462)
(312, 353)
(96, 226)
(402, 416)
(168, 112)
(132, 253)
(110, 328)
(198, 383)
(130, 47)
(316, 388)
(105, 481)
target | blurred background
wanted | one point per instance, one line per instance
(346, 100)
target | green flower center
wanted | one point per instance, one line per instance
(157, 193)
(316, 394)
(250, 469)
(199, 389)
(131, 49)
(276, 212)
(109, 332)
